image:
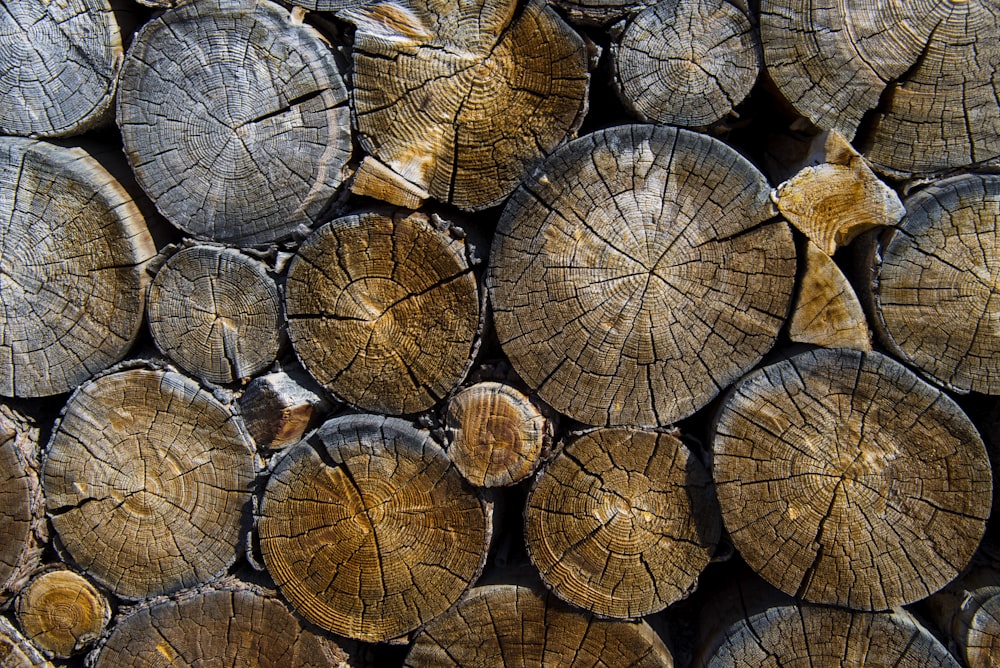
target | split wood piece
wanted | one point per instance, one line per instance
(235, 120)
(496, 435)
(686, 62)
(72, 281)
(637, 272)
(376, 180)
(369, 530)
(216, 313)
(16, 651)
(521, 627)
(384, 310)
(62, 612)
(277, 409)
(933, 283)
(599, 12)
(838, 197)
(146, 478)
(60, 64)
(622, 522)
(239, 625)
(845, 479)
(827, 312)
(908, 80)
(461, 99)
(22, 507)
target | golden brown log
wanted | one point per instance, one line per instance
(827, 312)
(62, 612)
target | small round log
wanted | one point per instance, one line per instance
(277, 409)
(22, 507)
(461, 99)
(686, 62)
(229, 625)
(384, 310)
(933, 283)
(845, 479)
(369, 530)
(62, 612)
(967, 611)
(146, 479)
(60, 65)
(622, 522)
(496, 435)
(72, 251)
(16, 651)
(522, 627)
(216, 313)
(235, 120)
(637, 272)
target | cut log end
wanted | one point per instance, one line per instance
(22, 507)
(16, 651)
(62, 612)
(277, 410)
(827, 311)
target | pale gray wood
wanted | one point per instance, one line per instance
(23, 532)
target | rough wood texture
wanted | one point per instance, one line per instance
(496, 435)
(384, 310)
(146, 478)
(845, 479)
(62, 613)
(369, 530)
(933, 283)
(827, 311)
(599, 12)
(72, 250)
(521, 627)
(836, 196)
(235, 625)
(15, 651)
(686, 62)
(462, 99)
(910, 81)
(637, 272)
(235, 120)
(60, 64)
(216, 312)
(277, 409)
(22, 507)
(622, 522)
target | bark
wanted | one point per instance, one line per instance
(15, 651)
(827, 311)
(277, 410)
(62, 612)
(845, 479)
(637, 272)
(23, 531)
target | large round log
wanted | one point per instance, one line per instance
(522, 627)
(22, 508)
(60, 64)
(461, 99)
(845, 479)
(384, 310)
(72, 277)
(62, 612)
(637, 272)
(235, 120)
(146, 479)
(369, 530)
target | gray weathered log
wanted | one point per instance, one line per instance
(23, 532)
(16, 651)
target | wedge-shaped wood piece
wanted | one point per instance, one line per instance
(235, 120)
(22, 508)
(827, 312)
(62, 612)
(968, 612)
(277, 409)
(16, 651)
(845, 479)
(461, 99)
(72, 279)
(622, 522)
(522, 627)
(637, 272)
(384, 310)
(146, 479)
(368, 529)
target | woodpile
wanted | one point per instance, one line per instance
(499, 332)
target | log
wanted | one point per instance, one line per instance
(23, 531)
(146, 478)
(216, 313)
(496, 436)
(235, 120)
(622, 522)
(637, 272)
(686, 62)
(827, 311)
(384, 309)
(461, 99)
(277, 410)
(62, 612)
(907, 81)
(930, 283)
(845, 479)
(599, 12)
(61, 63)
(231, 624)
(369, 531)
(967, 611)
(15, 651)
(72, 277)
(519, 626)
